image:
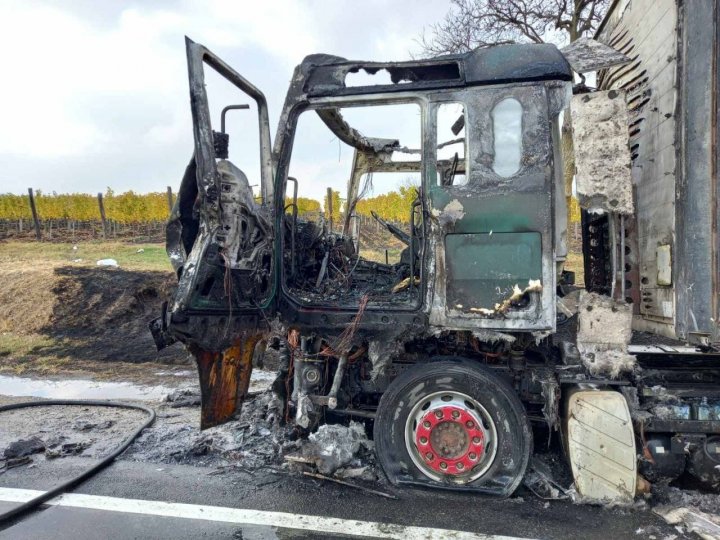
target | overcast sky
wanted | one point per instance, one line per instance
(94, 93)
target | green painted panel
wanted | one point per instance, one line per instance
(509, 212)
(482, 269)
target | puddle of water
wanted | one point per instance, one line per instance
(79, 389)
(183, 373)
(84, 389)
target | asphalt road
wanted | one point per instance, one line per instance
(128, 500)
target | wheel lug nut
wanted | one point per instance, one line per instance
(470, 424)
(443, 465)
(426, 424)
(438, 414)
(423, 440)
(429, 456)
(473, 456)
(476, 440)
(455, 414)
(460, 466)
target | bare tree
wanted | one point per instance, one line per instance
(478, 23)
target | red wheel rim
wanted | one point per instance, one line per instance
(450, 435)
(450, 440)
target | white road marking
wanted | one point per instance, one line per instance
(349, 527)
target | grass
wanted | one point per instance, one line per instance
(16, 345)
(27, 355)
(130, 256)
(29, 267)
(23, 353)
(378, 255)
(39, 365)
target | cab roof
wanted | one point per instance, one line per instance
(500, 64)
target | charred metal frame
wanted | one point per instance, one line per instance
(197, 55)
(213, 233)
(296, 313)
(228, 108)
(337, 315)
(319, 84)
(214, 195)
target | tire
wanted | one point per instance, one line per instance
(422, 436)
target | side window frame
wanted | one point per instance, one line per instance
(535, 132)
(510, 100)
(464, 162)
(284, 157)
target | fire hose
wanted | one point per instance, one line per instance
(77, 480)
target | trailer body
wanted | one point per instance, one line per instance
(671, 87)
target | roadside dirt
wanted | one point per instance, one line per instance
(87, 313)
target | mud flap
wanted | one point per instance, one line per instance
(224, 380)
(601, 446)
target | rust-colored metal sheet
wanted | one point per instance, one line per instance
(224, 380)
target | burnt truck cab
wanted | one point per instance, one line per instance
(485, 249)
(477, 241)
(448, 348)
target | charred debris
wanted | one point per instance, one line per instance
(476, 336)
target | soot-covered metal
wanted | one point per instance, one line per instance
(455, 352)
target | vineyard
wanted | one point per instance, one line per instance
(78, 216)
(141, 217)
(124, 208)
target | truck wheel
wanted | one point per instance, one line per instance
(453, 424)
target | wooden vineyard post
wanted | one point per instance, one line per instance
(170, 198)
(329, 209)
(34, 214)
(102, 214)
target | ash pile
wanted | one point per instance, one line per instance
(328, 267)
(254, 439)
(336, 450)
(258, 439)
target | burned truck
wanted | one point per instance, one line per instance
(476, 332)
